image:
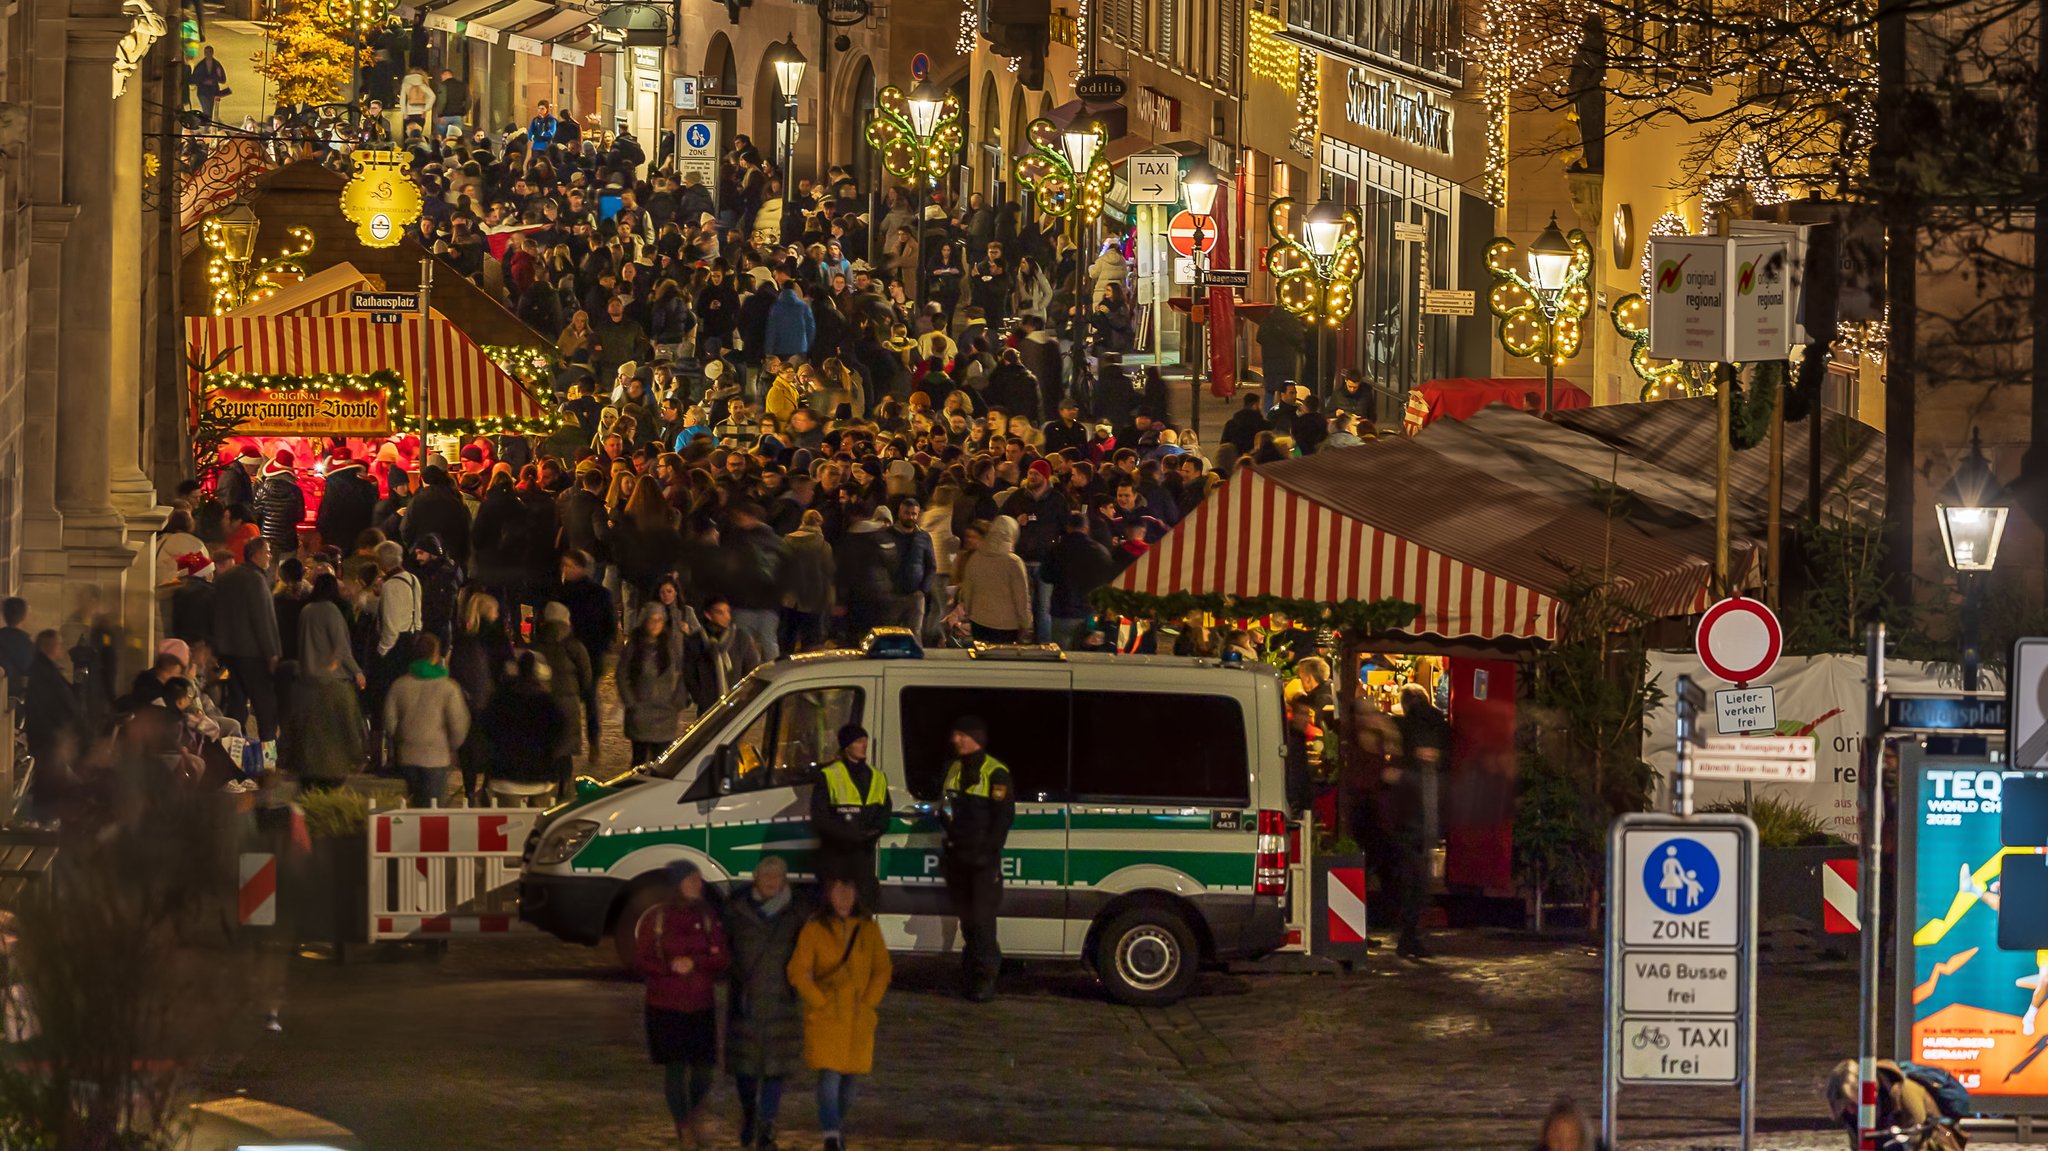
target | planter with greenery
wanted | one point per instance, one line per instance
(325, 894)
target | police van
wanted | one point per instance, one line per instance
(1151, 827)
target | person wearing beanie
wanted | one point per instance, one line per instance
(650, 680)
(977, 808)
(850, 811)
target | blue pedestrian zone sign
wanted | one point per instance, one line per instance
(1681, 877)
(698, 135)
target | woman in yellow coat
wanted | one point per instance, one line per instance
(841, 970)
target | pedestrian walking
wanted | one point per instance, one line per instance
(523, 727)
(764, 1021)
(995, 588)
(650, 682)
(841, 970)
(571, 677)
(977, 808)
(850, 811)
(209, 82)
(1411, 815)
(323, 737)
(426, 720)
(681, 954)
(245, 637)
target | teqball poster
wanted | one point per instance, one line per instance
(1968, 1004)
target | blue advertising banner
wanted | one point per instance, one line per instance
(1965, 1003)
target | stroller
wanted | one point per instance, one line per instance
(1919, 1108)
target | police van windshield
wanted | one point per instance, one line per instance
(704, 733)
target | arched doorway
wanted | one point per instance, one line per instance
(988, 162)
(867, 162)
(725, 80)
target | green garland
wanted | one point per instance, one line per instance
(1351, 617)
(1749, 419)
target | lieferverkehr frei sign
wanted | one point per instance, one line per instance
(1720, 300)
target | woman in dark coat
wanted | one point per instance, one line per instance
(569, 667)
(764, 1023)
(477, 662)
(681, 953)
(524, 725)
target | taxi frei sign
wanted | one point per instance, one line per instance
(1720, 300)
(380, 197)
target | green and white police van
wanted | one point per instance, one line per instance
(1151, 830)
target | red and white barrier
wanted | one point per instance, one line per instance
(1838, 896)
(1345, 905)
(436, 873)
(257, 904)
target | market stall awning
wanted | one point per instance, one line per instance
(464, 387)
(1460, 398)
(1480, 556)
(563, 23)
(511, 15)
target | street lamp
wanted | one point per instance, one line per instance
(1081, 143)
(238, 233)
(1200, 185)
(1550, 267)
(789, 65)
(234, 273)
(1315, 271)
(1064, 172)
(924, 103)
(1971, 510)
(1322, 227)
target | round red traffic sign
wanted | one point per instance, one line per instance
(1180, 232)
(1739, 639)
(920, 66)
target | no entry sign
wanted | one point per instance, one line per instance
(1180, 232)
(1739, 640)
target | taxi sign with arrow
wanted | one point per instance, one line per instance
(1154, 179)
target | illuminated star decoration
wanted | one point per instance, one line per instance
(236, 283)
(1051, 179)
(1631, 318)
(903, 155)
(1304, 285)
(1513, 302)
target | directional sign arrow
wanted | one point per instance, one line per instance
(1153, 189)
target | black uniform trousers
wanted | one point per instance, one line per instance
(976, 893)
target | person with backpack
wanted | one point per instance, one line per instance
(439, 589)
(681, 953)
(841, 970)
(1923, 1102)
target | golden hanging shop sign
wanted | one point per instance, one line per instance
(381, 198)
(263, 412)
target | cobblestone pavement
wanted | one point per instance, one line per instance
(537, 1044)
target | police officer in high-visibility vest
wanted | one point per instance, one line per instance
(977, 809)
(850, 811)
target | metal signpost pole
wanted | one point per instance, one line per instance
(1870, 826)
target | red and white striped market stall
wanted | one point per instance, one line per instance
(1491, 547)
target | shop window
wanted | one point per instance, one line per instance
(1027, 731)
(787, 744)
(1156, 748)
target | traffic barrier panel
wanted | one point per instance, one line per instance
(257, 906)
(436, 873)
(1838, 896)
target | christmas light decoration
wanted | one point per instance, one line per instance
(1266, 54)
(236, 276)
(1510, 51)
(1748, 178)
(1514, 302)
(525, 364)
(1863, 339)
(1051, 177)
(908, 154)
(306, 62)
(1308, 83)
(970, 29)
(1631, 318)
(357, 16)
(1310, 286)
(1671, 223)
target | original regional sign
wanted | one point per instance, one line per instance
(302, 413)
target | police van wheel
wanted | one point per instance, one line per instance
(626, 932)
(1146, 956)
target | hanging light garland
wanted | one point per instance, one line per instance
(1266, 54)
(1631, 318)
(524, 364)
(1308, 82)
(1513, 302)
(1510, 51)
(970, 29)
(1052, 179)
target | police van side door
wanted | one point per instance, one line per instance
(777, 755)
(1026, 710)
